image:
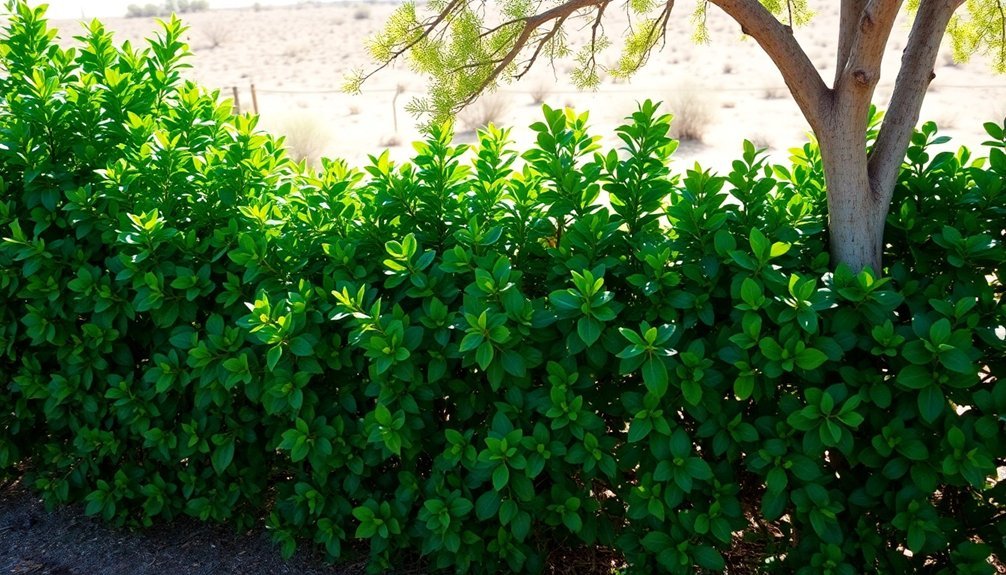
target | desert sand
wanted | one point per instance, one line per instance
(297, 57)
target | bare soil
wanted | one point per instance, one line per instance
(34, 541)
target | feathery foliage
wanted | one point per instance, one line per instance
(465, 48)
(982, 30)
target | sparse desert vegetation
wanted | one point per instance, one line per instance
(305, 137)
(166, 9)
(692, 115)
(761, 141)
(775, 93)
(305, 70)
(392, 141)
(489, 109)
(216, 33)
(540, 91)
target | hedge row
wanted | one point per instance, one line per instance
(490, 360)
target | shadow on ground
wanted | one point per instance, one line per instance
(66, 542)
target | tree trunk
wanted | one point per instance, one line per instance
(856, 217)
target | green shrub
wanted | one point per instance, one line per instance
(485, 362)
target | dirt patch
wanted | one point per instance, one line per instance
(66, 542)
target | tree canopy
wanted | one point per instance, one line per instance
(466, 47)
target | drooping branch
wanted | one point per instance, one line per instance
(777, 40)
(597, 26)
(426, 30)
(532, 34)
(850, 15)
(539, 46)
(656, 32)
(916, 73)
(1002, 30)
(546, 25)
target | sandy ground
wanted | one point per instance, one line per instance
(297, 58)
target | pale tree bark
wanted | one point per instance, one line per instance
(850, 13)
(855, 220)
(917, 71)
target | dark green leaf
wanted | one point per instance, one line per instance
(931, 403)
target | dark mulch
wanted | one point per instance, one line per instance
(66, 542)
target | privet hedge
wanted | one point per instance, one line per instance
(486, 365)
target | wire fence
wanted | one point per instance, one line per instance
(236, 91)
(608, 89)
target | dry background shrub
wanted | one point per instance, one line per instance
(306, 138)
(692, 115)
(540, 91)
(775, 93)
(489, 109)
(216, 33)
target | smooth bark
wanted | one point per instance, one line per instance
(850, 13)
(917, 71)
(855, 217)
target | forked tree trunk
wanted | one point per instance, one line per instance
(860, 188)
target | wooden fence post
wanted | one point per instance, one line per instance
(254, 99)
(237, 102)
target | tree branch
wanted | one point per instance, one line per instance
(862, 70)
(1002, 31)
(541, 45)
(430, 26)
(851, 13)
(662, 21)
(916, 73)
(657, 33)
(557, 16)
(776, 39)
(597, 25)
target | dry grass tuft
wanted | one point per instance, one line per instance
(947, 121)
(692, 115)
(540, 91)
(761, 141)
(774, 93)
(295, 51)
(217, 33)
(305, 137)
(489, 109)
